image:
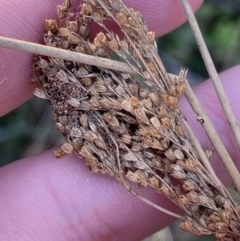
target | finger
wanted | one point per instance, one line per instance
(25, 21)
(51, 199)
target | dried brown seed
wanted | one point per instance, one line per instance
(60, 127)
(77, 144)
(67, 148)
(155, 122)
(134, 101)
(152, 67)
(122, 18)
(75, 132)
(39, 93)
(111, 120)
(189, 186)
(59, 153)
(84, 121)
(156, 161)
(220, 199)
(73, 26)
(63, 32)
(74, 102)
(131, 176)
(222, 227)
(215, 217)
(155, 98)
(226, 216)
(114, 44)
(126, 105)
(147, 103)
(178, 154)
(62, 11)
(142, 178)
(62, 76)
(90, 136)
(151, 37)
(141, 115)
(166, 122)
(126, 138)
(154, 181)
(73, 39)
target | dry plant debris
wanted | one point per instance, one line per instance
(121, 129)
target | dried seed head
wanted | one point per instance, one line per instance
(155, 98)
(147, 103)
(111, 120)
(73, 39)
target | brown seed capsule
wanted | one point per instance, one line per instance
(39, 93)
(220, 199)
(75, 132)
(122, 18)
(111, 120)
(126, 138)
(67, 148)
(151, 37)
(60, 127)
(131, 176)
(126, 105)
(178, 154)
(73, 26)
(154, 181)
(114, 44)
(74, 102)
(155, 122)
(189, 186)
(155, 98)
(73, 39)
(59, 153)
(166, 122)
(84, 121)
(62, 11)
(156, 161)
(90, 136)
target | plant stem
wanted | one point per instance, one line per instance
(212, 135)
(212, 72)
(64, 54)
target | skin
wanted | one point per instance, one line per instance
(47, 199)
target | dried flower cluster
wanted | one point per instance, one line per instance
(122, 129)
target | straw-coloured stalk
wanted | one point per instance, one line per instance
(132, 133)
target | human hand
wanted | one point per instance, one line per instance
(47, 199)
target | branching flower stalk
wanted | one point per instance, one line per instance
(121, 129)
